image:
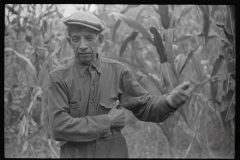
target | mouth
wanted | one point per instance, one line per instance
(84, 54)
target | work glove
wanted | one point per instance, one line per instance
(179, 95)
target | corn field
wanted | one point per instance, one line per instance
(164, 45)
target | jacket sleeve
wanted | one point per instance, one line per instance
(63, 126)
(145, 107)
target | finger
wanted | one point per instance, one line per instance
(191, 87)
(185, 85)
(184, 93)
(189, 92)
(181, 96)
(181, 99)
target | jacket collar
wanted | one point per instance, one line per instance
(82, 67)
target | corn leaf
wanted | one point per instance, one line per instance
(179, 62)
(227, 34)
(165, 127)
(184, 12)
(182, 38)
(197, 66)
(231, 113)
(214, 85)
(206, 22)
(214, 8)
(230, 63)
(157, 84)
(134, 67)
(225, 83)
(189, 55)
(39, 92)
(215, 35)
(56, 50)
(29, 67)
(134, 25)
(214, 89)
(63, 48)
(42, 77)
(168, 47)
(129, 7)
(182, 112)
(154, 20)
(27, 100)
(163, 12)
(231, 110)
(127, 40)
(141, 9)
(21, 62)
(197, 120)
(10, 99)
(115, 27)
(25, 146)
(226, 101)
(232, 8)
(155, 8)
(217, 65)
(159, 45)
(230, 18)
(168, 76)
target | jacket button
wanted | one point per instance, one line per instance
(91, 101)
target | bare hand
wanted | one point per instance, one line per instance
(116, 116)
(179, 95)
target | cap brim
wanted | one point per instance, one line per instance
(82, 24)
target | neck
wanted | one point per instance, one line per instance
(91, 63)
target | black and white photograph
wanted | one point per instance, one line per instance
(119, 81)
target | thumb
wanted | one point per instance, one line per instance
(116, 104)
(185, 85)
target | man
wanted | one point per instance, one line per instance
(86, 96)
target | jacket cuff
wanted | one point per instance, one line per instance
(103, 125)
(167, 104)
(170, 110)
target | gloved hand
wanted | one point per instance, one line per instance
(179, 95)
(116, 116)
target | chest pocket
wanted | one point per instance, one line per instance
(76, 110)
(106, 106)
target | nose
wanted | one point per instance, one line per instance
(83, 45)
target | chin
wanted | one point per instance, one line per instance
(86, 62)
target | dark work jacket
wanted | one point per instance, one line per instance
(79, 98)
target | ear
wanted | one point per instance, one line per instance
(69, 41)
(100, 40)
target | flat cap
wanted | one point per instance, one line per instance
(86, 19)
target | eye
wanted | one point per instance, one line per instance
(75, 39)
(90, 39)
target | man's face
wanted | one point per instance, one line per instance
(85, 43)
